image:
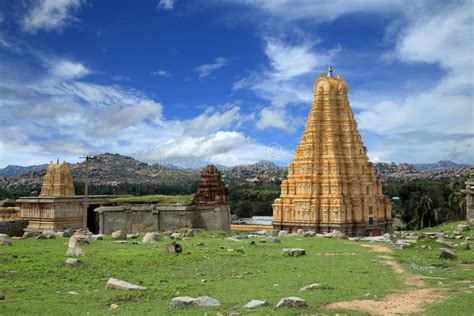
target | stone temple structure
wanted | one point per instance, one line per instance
(209, 210)
(331, 184)
(58, 180)
(57, 207)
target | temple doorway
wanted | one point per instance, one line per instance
(93, 219)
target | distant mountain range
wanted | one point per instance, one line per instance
(114, 168)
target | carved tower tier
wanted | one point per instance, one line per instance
(331, 184)
(57, 181)
(211, 190)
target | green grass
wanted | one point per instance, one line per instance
(160, 199)
(35, 280)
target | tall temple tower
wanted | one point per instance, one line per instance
(57, 181)
(331, 184)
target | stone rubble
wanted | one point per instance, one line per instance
(292, 301)
(151, 237)
(294, 252)
(185, 301)
(311, 287)
(119, 235)
(255, 304)
(122, 285)
(5, 240)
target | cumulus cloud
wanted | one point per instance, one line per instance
(276, 118)
(161, 73)
(50, 15)
(207, 69)
(66, 69)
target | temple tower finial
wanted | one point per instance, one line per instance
(330, 71)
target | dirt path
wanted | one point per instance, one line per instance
(411, 301)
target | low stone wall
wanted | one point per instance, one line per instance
(13, 227)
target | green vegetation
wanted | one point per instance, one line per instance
(247, 200)
(161, 199)
(35, 280)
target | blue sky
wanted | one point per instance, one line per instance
(230, 82)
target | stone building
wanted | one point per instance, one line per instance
(209, 210)
(469, 192)
(331, 184)
(57, 207)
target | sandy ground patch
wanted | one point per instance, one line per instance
(404, 303)
(377, 248)
(411, 301)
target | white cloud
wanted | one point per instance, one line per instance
(66, 69)
(207, 69)
(276, 118)
(161, 73)
(166, 5)
(50, 15)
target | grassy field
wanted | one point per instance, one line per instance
(34, 279)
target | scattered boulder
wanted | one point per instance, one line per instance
(464, 246)
(233, 239)
(309, 233)
(133, 236)
(31, 234)
(119, 235)
(261, 233)
(282, 233)
(444, 243)
(338, 235)
(176, 236)
(67, 232)
(98, 237)
(432, 235)
(387, 236)
(463, 228)
(122, 285)
(299, 232)
(182, 301)
(272, 240)
(313, 286)
(291, 302)
(59, 234)
(189, 233)
(206, 301)
(41, 236)
(75, 251)
(174, 247)
(185, 301)
(294, 252)
(446, 254)
(5, 240)
(49, 234)
(71, 261)
(255, 303)
(151, 237)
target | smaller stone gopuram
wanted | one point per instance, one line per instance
(211, 190)
(58, 180)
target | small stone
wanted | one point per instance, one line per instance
(119, 235)
(49, 234)
(73, 293)
(98, 237)
(174, 247)
(338, 235)
(151, 237)
(59, 234)
(206, 301)
(299, 232)
(177, 236)
(122, 285)
(464, 246)
(2, 297)
(120, 241)
(291, 302)
(309, 233)
(233, 239)
(311, 287)
(282, 233)
(446, 254)
(67, 232)
(294, 252)
(189, 233)
(182, 301)
(133, 236)
(272, 240)
(444, 243)
(5, 240)
(113, 306)
(41, 236)
(30, 234)
(71, 261)
(255, 303)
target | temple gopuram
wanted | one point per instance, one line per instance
(211, 190)
(57, 181)
(331, 184)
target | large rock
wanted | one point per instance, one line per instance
(151, 237)
(98, 237)
(71, 261)
(119, 235)
(294, 252)
(49, 234)
(206, 301)
(446, 254)
(78, 240)
(5, 240)
(67, 232)
(309, 233)
(300, 232)
(255, 303)
(75, 251)
(313, 286)
(122, 285)
(462, 228)
(31, 234)
(133, 236)
(189, 233)
(338, 235)
(464, 246)
(282, 233)
(291, 302)
(176, 236)
(174, 247)
(182, 301)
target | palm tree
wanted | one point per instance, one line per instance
(425, 214)
(456, 202)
